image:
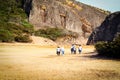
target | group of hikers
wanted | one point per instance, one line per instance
(60, 50)
(73, 50)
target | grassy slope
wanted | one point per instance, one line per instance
(30, 62)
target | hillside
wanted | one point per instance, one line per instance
(66, 14)
(75, 20)
(42, 41)
(108, 30)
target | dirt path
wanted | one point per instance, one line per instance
(31, 62)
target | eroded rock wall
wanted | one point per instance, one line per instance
(66, 14)
(108, 30)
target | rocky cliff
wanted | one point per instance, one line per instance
(66, 14)
(108, 30)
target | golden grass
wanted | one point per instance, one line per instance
(34, 62)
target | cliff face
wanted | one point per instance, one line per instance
(66, 14)
(108, 30)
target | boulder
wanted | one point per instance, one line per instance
(108, 30)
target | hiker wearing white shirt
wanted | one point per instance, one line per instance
(58, 51)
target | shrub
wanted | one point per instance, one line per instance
(23, 38)
(109, 49)
(54, 33)
(13, 22)
(28, 28)
(51, 33)
(6, 36)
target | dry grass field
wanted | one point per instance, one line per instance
(34, 62)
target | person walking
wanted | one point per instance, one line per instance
(80, 49)
(62, 50)
(72, 49)
(58, 51)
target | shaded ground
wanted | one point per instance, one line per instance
(34, 62)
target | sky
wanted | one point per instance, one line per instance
(109, 5)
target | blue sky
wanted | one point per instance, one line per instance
(110, 5)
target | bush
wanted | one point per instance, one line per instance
(54, 33)
(12, 31)
(6, 36)
(23, 38)
(51, 33)
(28, 28)
(109, 49)
(13, 22)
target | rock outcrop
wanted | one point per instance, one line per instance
(66, 14)
(27, 6)
(108, 30)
